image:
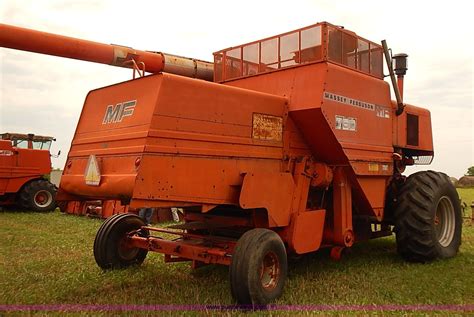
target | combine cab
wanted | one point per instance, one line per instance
(24, 161)
(296, 145)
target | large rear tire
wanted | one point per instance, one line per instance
(110, 251)
(38, 195)
(259, 267)
(428, 219)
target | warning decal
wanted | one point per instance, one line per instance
(267, 127)
(92, 172)
(373, 167)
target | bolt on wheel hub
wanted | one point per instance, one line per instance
(43, 198)
(270, 271)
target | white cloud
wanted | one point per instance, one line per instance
(45, 94)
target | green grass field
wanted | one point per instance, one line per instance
(46, 258)
(467, 196)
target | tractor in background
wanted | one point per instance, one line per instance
(25, 162)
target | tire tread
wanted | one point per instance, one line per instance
(414, 216)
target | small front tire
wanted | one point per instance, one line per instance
(110, 249)
(259, 267)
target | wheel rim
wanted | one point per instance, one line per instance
(125, 252)
(43, 198)
(445, 221)
(270, 271)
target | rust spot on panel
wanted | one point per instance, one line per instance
(267, 127)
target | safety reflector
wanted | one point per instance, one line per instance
(92, 172)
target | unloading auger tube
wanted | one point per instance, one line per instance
(63, 46)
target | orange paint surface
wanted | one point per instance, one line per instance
(297, 133)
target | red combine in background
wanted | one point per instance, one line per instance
(24, 164)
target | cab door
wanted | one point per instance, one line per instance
(6, 164)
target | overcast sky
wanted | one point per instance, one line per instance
(44, 95)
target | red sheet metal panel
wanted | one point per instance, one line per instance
(307, 231)
(272, 191)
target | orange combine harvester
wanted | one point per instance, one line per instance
(283, 146)
(25, 160)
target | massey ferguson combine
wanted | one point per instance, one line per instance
(283, 146)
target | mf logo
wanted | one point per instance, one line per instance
(116, 113)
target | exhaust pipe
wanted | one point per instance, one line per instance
(400, 70)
